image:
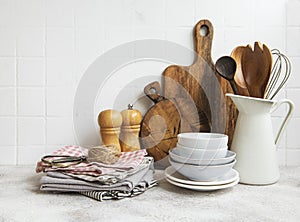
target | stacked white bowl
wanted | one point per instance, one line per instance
(202, 156)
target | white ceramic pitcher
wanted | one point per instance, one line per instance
(253, 139)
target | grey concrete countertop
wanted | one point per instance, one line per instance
(21, 200)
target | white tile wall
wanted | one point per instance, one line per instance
(47, 45)
(25, 38)
(8, 70)
(31, 71)
(8, 100)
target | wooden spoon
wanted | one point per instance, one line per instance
(241, 85)
(256, 68)
(226, 67)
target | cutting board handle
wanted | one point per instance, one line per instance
(204, 32)
(153, 91)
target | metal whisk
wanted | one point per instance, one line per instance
(281, 70)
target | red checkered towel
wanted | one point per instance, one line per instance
(127, 161)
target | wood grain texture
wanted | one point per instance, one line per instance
(200, 86)
(160, 125)
(237, 55)
(256, 67)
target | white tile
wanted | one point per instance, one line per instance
(31, 131)
(238, 13)
(51, 148)
(7, 131)
(293, 130)
(269, 13)
(8, 72)
(10, 153)
(90, 13)
(281, 156)
(89, 42)
(7, 42)
(207, 10)
(81, 65)
(149, 33)
(266, 35)
(218, 44)
(7, 15)
(294, 80)
(31, 42)
(60, 13)
(60, 71)
(293, 157)
(60, 131)
(180, 12)
(292, 37)
(182, 36)
(292, 13)
(31, 101)
(30, 154)
(128, 12)
(234, 37)
(60, 42)
(30, 12)
(8, 101)
(60, 101)
(148, 13)
(115, 37)
(294, 95)
(31, 72)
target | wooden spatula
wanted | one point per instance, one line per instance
(241, 84)
(256, 68)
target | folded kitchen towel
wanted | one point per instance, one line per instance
(127, 161)
(56, 181)
(113, 177)
(146, 183)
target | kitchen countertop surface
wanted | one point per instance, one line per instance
(21, 200)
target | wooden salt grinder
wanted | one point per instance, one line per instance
(129, 138)
(110, 122)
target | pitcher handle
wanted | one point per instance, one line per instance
(287, 117)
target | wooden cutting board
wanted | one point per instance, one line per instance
(160, 125)
(199, 86)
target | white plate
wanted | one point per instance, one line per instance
(204, 188)
(173, 175)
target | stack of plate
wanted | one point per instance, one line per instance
(228, 180)
(202, 161)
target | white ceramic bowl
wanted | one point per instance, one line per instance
(203, 140)
(211, 162)
(202, 173)
(199, 154)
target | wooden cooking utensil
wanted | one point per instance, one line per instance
(226, 67)
(256, 68)
(202, 87)
(160, 125)
(241, 84)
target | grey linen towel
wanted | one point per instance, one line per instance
(146, 183)
(56, 181)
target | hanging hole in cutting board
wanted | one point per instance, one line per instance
(152, 90)
(204, 30)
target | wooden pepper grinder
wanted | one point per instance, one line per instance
(110, 122)
(129, 138)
